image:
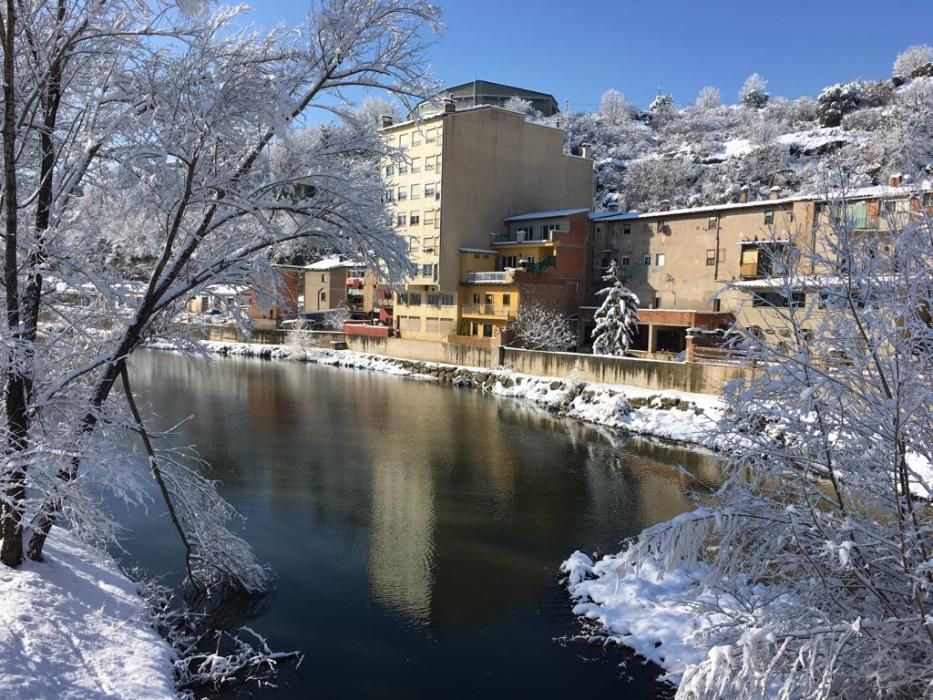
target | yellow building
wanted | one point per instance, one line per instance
(461, 173)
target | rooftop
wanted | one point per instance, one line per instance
(332, 263)
(553, 214)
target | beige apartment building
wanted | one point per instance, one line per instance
(462, 172)
(680, 262)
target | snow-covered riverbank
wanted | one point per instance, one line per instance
(671, 415)
(73, 626)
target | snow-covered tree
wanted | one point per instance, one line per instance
(662, 104)
(614, 109)
(811, 565)
(911, 59)
(754, 92)
(617, 317)
(708, 98)
(166, 142)
(538, 327)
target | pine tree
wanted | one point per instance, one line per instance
(617, 318)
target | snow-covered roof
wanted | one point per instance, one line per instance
(760, 203)
(553, 214)
(875, 192)
(332, 263)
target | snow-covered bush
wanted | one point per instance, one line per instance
(911, 59)
(754, 92)
(808, 573)
(663, 103)
(538, 327)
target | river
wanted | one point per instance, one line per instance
(415, 530)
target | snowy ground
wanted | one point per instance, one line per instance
(73, 626)
(672, 415)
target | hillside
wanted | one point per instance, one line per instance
(706, 152)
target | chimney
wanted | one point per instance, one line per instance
(449, 106)
(385, 120)
(774, 193)
(743, 195)
(895, 181)
(665, 205)
(585, 150)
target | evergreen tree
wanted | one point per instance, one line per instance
(617, 318)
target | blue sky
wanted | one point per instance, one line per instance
(577, 49)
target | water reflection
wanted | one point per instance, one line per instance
(415, 530)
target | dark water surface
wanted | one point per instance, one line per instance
(415, 531)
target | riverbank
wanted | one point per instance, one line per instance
(667, 414)
(73, 626)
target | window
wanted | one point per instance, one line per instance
(416, 165)
(323, 296)
(323, 278)
(416, 191)
(625, 261)
(447, 299)
(403, 298)
(430, 136)
(416, 138)
(769, 217)
(889, 206)
(401, 219)
(402, 168)
(476, 298)
(717, 305)
(627, 229)
(390, 170)
(429, 164)
(429, 217)
(487, 330)
(426, 269)
(403, 140)
(797, 300)
(415, 299)
(508, 261)
(487, 299)
(434, 299)
(402, 194)
(429, 190)
(506, 299)
(387, 196)
(712, 223)
(657, 302)
(659, 259)
(647, 260)
(414, 219)
(414, 243)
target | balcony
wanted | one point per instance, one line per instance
(504, 277)
(749, 271)
(489, 310)
(521, 236)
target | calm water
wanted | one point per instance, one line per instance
(415, 531)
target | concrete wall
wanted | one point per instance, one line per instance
(426, 351)
(646, 374)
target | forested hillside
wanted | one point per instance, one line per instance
(706, 151)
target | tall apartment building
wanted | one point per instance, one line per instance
(463, 173)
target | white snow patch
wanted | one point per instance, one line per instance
(73, 626)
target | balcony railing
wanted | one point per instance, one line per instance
(521, 237)
(489, 277)
(484, 310)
